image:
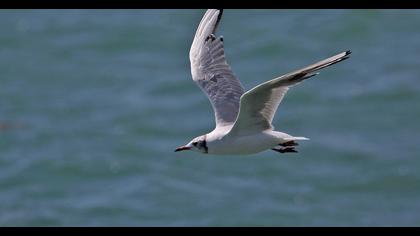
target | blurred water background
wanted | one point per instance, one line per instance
(93, 103)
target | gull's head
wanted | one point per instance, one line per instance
(198, 144)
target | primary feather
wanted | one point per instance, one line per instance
(211, 72)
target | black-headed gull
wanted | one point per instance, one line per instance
(243, 119)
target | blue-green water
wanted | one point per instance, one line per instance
(93, 103)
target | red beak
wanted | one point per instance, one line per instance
(182, 148)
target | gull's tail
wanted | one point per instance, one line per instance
(295, 138)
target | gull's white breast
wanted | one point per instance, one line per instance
(248, 144)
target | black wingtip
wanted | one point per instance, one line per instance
(346, 56)
(219, 17)
(220, 14)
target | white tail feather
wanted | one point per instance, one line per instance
(296, 138)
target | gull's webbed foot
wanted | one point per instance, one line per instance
(289, 143)
(284, 149)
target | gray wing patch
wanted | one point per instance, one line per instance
(211, 72)
(218, 82)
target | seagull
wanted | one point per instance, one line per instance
(243, 119)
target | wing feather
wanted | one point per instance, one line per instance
(211, 71)
(258, 105)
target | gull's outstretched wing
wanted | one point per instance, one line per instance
(258, 105)
(211, 72)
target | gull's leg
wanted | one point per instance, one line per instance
(284, 149)
(289, 143)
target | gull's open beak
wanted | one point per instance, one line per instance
(182, 148)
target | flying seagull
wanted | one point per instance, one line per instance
(243, 119)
